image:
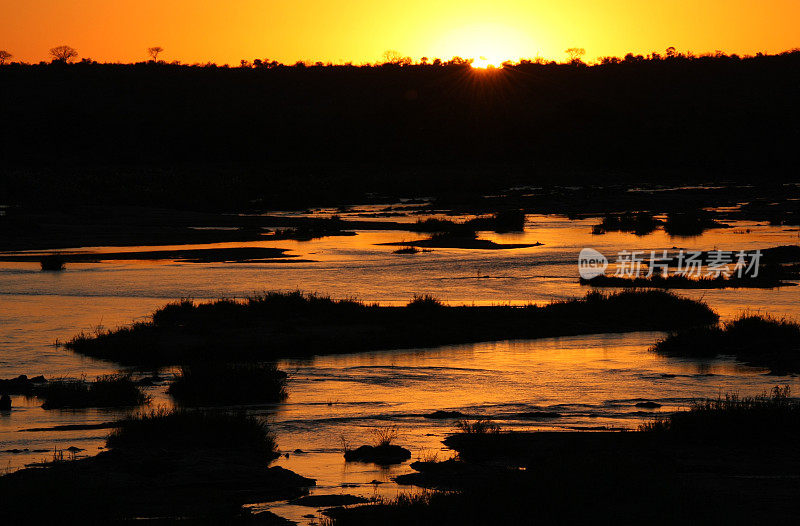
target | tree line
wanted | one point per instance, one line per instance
(64, 54)
(152, 130)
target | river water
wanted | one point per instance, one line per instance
(591, 381)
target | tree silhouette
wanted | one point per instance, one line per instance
(4, 55)
(394, 57)
(154, 52)
(575, 54)
(63, 53)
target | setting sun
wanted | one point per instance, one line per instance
(487, 45)
(485, 63)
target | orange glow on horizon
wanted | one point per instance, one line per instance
(483, 63)
(360, 30)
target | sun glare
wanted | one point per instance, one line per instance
(485, 63)
(487, 45)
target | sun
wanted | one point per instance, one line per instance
(488, 45)
(485, 63)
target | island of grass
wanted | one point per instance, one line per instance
(21, 385)
(383, 451)
(313, 228)
(509, 220)
(465, 240)
(450, 234)
(639, 223)
(732, 460)
(690, 223)
(277, 325)
(678, 281)
(760, 341)
(116, 390)
(193, 467)
(52, 262)
(410, 249)
(228, 384)
(678, 224)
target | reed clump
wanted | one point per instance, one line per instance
(116, 390)
(229, 383)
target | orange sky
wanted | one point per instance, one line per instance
(361, 30)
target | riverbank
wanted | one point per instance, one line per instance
(730, 460)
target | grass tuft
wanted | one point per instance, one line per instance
(218, 384)
(424, 301)
(769, 416)
(182, 430)
(116, 390)
(384, 436)
(52, 262)
(477, 427)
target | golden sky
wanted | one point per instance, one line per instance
(361, 30)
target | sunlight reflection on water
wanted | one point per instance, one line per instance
(591, 381)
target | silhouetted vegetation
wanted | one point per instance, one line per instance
(424, 301)
(505, 221)
(277, 325)
(728, 460)
(307, 133)
(681, 224)
(57, 262)
(462, 236)
(313, 229)
(686, 224)
(502, 221)
(21, 385)
(196, 467)
(777, 203)
(63, 54)
(407, 250)
(220, 384)
(766, 418)
(436, 225)
(639, 223)
(154, 52)
(757, 340)
(383, 451)
(478, 427)
(679, 281)
(185, 430)
(53, 262)
(117, 390)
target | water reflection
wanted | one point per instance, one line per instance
(592, 382)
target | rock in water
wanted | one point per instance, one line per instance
(382, 455)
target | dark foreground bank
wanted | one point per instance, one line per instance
(190, 467)
(727, 461)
